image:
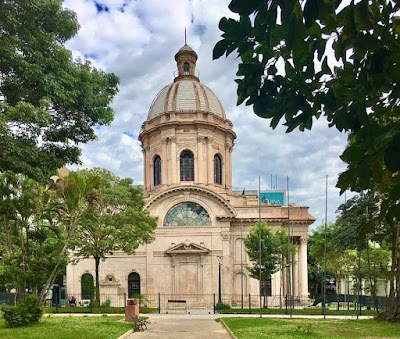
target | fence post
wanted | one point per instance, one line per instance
(249, 303)
(124, 299)
(91, 304)
(159, 303)
(214, 302)
(286, 310)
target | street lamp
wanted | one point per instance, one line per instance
(219, 258)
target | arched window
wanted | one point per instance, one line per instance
(133, 284)
(87, 286)
(186, 69)
(157, 170)
(187, 166)
(187, 214)
(217, 169)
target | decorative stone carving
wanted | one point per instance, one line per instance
(225, 235)
(187, 248)
(110, 280)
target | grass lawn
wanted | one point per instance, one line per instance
(305, 311)
(254, 328)
(66, 327)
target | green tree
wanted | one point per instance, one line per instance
(67, 204)
(316, 256)
(49, 103)
(357, 90)
(340, 61)
(374, 239)
(114, 221)
(28, 243)
(274, 250)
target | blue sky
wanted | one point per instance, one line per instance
(137, 40)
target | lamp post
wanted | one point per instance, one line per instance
(219, 258)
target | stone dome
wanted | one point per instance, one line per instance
(186, 93)
(186, 96)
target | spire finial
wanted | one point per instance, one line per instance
(185, 35)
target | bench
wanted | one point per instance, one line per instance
(138, 324)
(175, 305)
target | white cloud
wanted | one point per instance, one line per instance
(139, 45)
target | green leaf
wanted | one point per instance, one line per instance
(362, 16)
(223, 24)
(310, 12)
(243, 7)
(392, 156)
(396, 24)
(220, 48)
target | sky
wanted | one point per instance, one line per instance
(137, 41)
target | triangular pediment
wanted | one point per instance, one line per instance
(187, 248)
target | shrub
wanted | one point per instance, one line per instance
(107, 303)
(220, 307)
(24, 314)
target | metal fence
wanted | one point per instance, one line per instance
(210, 303)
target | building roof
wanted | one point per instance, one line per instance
(186, 95)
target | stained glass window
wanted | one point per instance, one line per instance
(217, 169)
(187, 214)
(187, 166)
(157, 171)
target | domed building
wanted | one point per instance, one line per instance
(198, 251)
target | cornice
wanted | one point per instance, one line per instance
(197, 189)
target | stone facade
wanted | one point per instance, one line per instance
(187, 144)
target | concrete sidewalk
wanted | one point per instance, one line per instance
(180, 326)
(199, 326)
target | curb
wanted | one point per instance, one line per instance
(227, 328)
(126, 334)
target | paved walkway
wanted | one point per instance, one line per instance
(180, 327)
(200, 326)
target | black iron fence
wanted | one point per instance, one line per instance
(209, 303)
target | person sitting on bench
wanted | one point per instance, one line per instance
(72, 301)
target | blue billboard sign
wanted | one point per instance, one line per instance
(273, 197)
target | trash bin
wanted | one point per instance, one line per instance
(131, 309)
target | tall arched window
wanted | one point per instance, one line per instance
(186, 69)
(87, 286)
(217, 169)
(187, 166)
(133, 284)
(157, 170)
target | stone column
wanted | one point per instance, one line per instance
(227, 166)
(174, 169)
(164, 162)
(303, 277)
(227, 278)
(295, 273)
(199, 162)
(209, 162)
(147, 170)
(174, 276)
(144, 169)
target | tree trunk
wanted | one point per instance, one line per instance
(53, 274)
(97, 264)
(394, 289)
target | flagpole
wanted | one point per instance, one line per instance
(326, 226)
(241, 257)
(259, 240)
(289, 275)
